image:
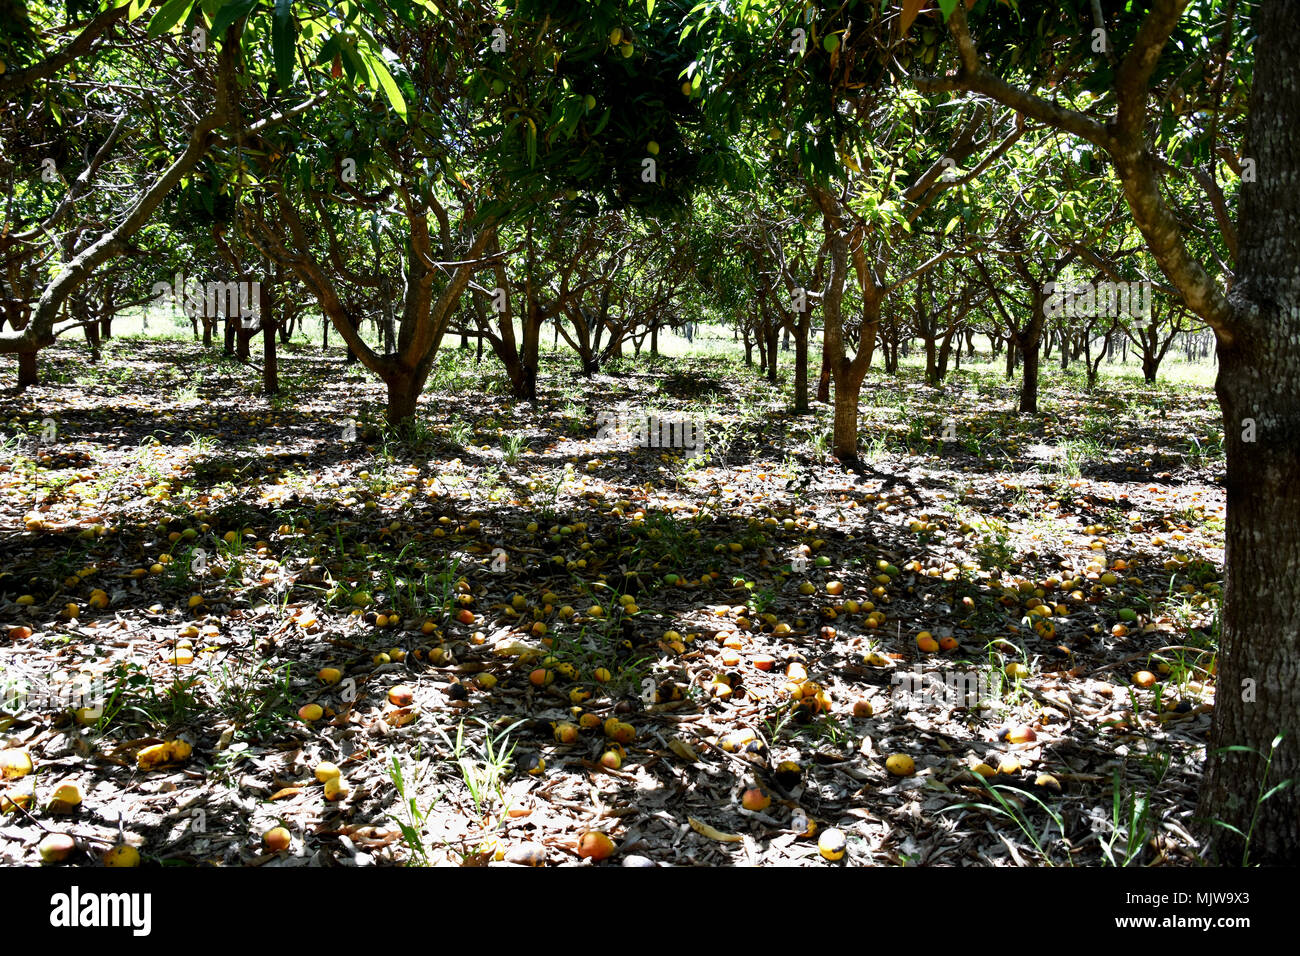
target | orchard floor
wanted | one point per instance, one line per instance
(515, 568)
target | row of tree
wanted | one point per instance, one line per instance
(1048, 173)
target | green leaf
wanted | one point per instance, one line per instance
(1281, 786)
(946, 7)
(229, 13)
(328, 49)
(389, 85)
(1228, 826)
(169, 14)
(649, 8)
(282, 41)
(353, 65)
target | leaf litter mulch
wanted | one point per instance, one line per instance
(512, 631)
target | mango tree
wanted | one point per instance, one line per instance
(1162, 100)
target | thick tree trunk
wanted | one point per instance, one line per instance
(524, 385)
(844, 442)
(847, 374)
(1029, 383)
(1258, 692)
(351, 357)
(26, 369)
(403, 395)
(931, 361)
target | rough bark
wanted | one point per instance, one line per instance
(27, 374)
(1258, 692)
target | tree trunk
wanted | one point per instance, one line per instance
(945, 354)
(891, 354)
(270, 362)
(1029, 384)
(351, 357)
(801, 368)
(403, 395)
(931, 361)
(1258, 692)
(26, 369)
(773, 344)
(242, 338)
(526, 385)
(92, 338)
(848, 389)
